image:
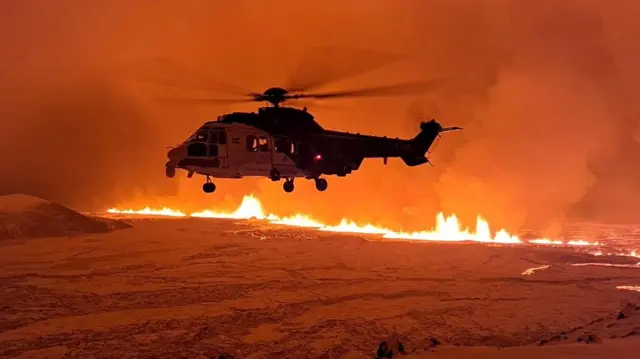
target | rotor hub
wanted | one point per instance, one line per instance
(275, 92)
(273, 95)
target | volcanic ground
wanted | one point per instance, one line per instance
(195, 288)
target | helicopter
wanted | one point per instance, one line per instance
(285, 143)
(282, 142)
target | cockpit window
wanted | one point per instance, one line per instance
(213, 137)
(200, 136)
(197, 150)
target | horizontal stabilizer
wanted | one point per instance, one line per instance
(447, 129)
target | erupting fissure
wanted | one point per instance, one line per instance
(446, 229)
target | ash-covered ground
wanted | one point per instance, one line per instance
(183, 288)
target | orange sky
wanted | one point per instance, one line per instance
(546, 92)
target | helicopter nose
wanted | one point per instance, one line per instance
(177, 153)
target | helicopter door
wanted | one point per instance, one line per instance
(258, 149)
(223, 150)
(284, 156)
(217, 146)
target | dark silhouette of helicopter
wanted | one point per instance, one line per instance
(284, 143)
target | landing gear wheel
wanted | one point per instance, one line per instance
(209, 187)
(274, 175)
(321, 184)
(288, 186)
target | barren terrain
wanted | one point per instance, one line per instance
(187, 288)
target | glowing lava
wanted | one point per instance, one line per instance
(252, 208)
(149, 212)
(629, 287)
(446, 229)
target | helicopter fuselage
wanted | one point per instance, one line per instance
(286, 143)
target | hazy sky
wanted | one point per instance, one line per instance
(546, 91)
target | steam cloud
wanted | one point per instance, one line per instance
(545, 91)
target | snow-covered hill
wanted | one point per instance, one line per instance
(23, 216)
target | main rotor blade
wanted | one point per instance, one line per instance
(167, 72)
(387, 90)
(194, 101)
(323, 65)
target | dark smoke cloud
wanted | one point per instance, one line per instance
(546, 91)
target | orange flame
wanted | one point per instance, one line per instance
(446, 229)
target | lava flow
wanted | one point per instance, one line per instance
(446, 229)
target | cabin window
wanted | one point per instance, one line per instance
(213, 150)
(263, 144)
(252, 143)
(222, 137)
(284, 145)
(197, 150)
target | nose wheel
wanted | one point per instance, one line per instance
(209, 187)
(288, 185)
(321, 184)
(170, 171)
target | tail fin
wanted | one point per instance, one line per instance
(429, 132)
